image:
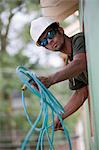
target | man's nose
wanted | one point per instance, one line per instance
(50, 41)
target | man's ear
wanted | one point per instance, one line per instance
(61, 30)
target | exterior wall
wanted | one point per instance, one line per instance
(91, 28)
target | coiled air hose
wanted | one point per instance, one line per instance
(47, 101)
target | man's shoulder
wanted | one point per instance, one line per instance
(78, 43)
(80, 33)
(78, 36)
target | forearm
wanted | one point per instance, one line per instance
(69, 71)
(75, 102)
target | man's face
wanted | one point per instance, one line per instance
(52, 39)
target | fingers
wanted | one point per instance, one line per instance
(45, 81)
(58, 125)
(33, 83)
(57, 129)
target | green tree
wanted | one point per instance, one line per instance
(8, 63)
(8, 9)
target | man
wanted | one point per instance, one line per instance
(47, 32)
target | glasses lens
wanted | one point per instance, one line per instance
(51, 34)
(43, 42)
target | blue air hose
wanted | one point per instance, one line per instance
(47, 101)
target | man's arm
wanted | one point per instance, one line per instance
(75, 102)
(71, 70)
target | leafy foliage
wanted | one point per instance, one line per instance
(8, 63)
(9, 83)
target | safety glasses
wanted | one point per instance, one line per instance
(50, 35)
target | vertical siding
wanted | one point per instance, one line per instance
(91, 26)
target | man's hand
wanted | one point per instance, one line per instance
(45, 80)
(58, 125)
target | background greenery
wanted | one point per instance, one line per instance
(13, 124)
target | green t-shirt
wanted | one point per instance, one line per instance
(78, 46)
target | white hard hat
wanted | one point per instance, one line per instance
(38, 26)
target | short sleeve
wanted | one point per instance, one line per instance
(78, 43)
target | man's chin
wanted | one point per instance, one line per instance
(58, 48)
